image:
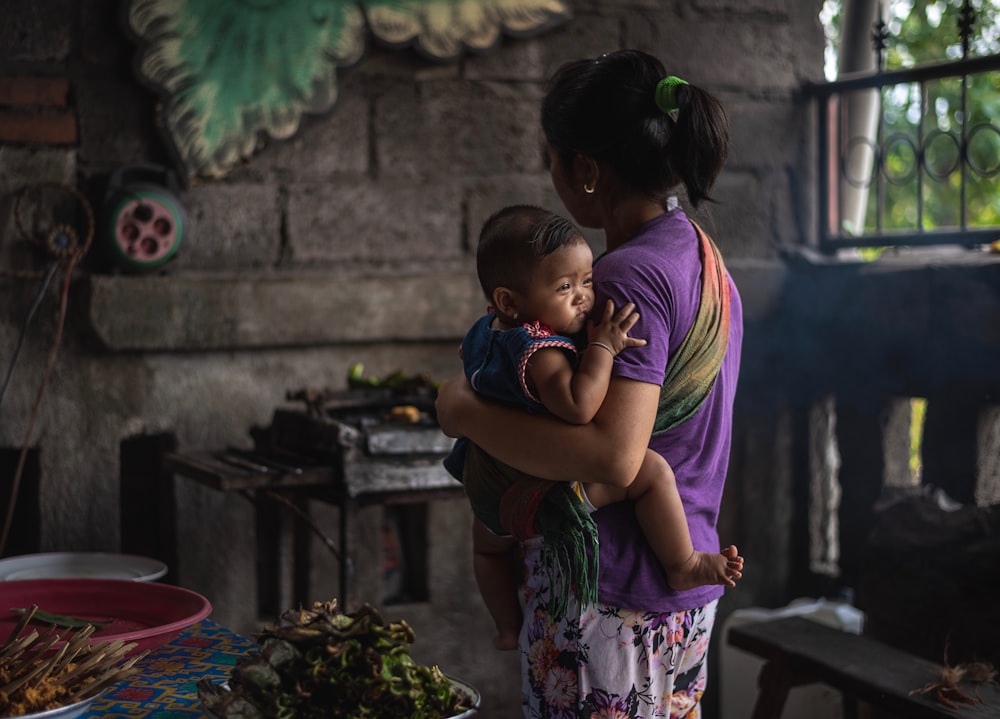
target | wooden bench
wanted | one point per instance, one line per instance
(799, 651)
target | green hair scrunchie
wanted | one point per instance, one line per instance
(666, 93)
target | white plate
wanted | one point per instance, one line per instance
(471, 691)
(87, 565)
(66, 712)
(459, 684)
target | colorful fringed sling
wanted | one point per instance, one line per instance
(508, 501)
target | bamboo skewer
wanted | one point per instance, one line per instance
(25, 618)
(106, 656)
(111, 676)
(76, 645)
(39, 671)
(13, 650)
(76, 670)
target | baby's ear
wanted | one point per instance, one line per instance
(503, 300)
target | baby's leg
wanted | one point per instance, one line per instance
(600, 495)
(496, 575)
(660, 513)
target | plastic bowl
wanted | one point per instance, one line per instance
(147, 613)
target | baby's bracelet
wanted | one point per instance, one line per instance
(601, 344)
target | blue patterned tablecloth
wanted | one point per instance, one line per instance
(166, 685)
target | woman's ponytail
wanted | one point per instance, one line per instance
(655, 131)
(699, 143)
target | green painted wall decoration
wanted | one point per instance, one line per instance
(230, 71)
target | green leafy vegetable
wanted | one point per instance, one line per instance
(324, 664)
(60, 620)
(397, 382)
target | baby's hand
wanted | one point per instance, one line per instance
(612, 329)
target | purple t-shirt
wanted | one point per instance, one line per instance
(660, 271)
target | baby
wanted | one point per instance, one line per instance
(536, 269)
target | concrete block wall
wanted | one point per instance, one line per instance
(351, 241)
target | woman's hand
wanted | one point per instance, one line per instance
(608, 450)
(453, 396)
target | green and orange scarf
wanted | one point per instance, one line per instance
(508, 501)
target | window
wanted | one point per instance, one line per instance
(909, 152)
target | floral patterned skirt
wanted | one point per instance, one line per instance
(609, 662)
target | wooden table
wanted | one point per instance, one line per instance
(355, 481)
(801, 651)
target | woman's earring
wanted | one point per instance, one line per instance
(515, 315)
(589, 190)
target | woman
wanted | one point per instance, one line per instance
(621, 137)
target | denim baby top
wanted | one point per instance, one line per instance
(495, 363)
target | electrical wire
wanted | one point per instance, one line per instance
(72, 253)
(24, 328)
(63, 301)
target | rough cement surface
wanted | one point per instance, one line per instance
(210, 312)
(353, 241)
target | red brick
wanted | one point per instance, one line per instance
(34, 91)
(42, 129)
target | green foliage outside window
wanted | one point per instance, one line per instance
(920, 32)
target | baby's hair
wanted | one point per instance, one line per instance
(606, 109)
(512, 242)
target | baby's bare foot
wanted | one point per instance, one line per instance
(505, 640)
(734, 564)
(703, 568)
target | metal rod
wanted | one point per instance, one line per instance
(930, 71)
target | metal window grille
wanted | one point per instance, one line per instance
(907, 182)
